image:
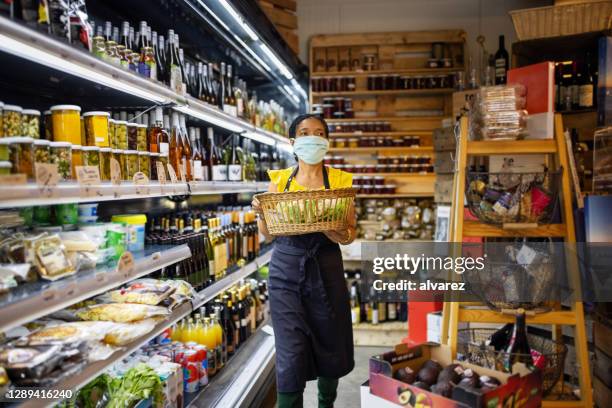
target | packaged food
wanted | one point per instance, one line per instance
(66, 214)
(61, 154)
(30, 123)
(11, 120)
(143, 292)
(124, 333)
(91, 156)
(51, 258)
(30, 362)
(77, 158)
(22, 155)
(42, 152)
(97, 128)
(68, 333)
(4, 148)
(120, 312)
(144, 163)
(105, 156)
(5, 167)
(135, 229)
(66, 123)
(141, 138)
(131, 163)
(132, 136)
(121, 134)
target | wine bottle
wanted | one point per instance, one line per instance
(354, 300)
(221, 101)
(217, 169)
(235, 166)
(501, 337)
(502, 61)
(211, 85)
(575, 85)
(196, 158)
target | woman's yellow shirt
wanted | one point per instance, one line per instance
(337, 179)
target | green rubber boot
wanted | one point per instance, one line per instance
(327, 391)
(290, 400)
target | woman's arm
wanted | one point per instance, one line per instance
(261, 221)
(346, 236)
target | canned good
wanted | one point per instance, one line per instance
(11, 120)
(61, 154)
(97, 128)
(66, 123)
(30, 123)
(203, 359)
(191, 371)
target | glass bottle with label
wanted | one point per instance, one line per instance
(221, 92)
(196, 157)
(217, 169)
(186, 150)
(502, 61)
(173, 68)
(175, 148)
(235, 166)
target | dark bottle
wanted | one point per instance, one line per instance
(236, 319)
(162, 74)
(221, 87)
(502, 62)
(518, 350)
(212, 85)
(575, 85)
(229, 326)
(558, 80)
(587, 86)
(199, 87)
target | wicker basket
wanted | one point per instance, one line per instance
(555, 21)
(304, 212)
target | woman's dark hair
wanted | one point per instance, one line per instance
(299, 119)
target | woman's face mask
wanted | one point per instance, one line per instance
(311, 149)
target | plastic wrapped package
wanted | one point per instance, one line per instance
(67, 333)
(51, 258)
(121, 312)
(124, 333)
(498, 112)
(146, 292)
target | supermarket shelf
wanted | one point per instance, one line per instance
(237, 384)
(226, 187)
(386, 92)
(368, 134)
(389, 119)
(405, 71)
(24, 42)
(382, 149)
(230, 279)
(396, 195)
(516, 147)
(92, 370)
(30, 301)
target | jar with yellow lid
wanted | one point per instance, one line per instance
(91, 156)
(141, 138)
(132, 136)
(48, 123)
(105, 156)
(61, 154)
(42, 151)
(112, 140)
(121, 134)
(131, 163)
(66, 123)
(77, 158)
(22, 155)
(11, 120)
(144, 163)
(30, 123)
(96, 128)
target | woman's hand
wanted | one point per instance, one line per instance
(342, 236)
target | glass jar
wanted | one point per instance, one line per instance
(22, 155)
(328, 110)
(42, 152)
(77, 158)
(351, 84)
(5, 167)
(105, 156)
(30, 123)
(379, 180)
(359, 168)
(11, 120)
(121, 134)
(154, 160)
(96, 128)
(4, 149)
(123, 163)
(141, 138)
(340, 142)
(66, 123)
(349, 113)
(61, 154)
(144, 163)
(112, 140)
(353, 142)
(131, 163)
(48, 121)
(132, 136)
(91, 156)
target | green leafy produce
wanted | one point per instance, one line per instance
(138, 383)
(309, 211)
(91, 395)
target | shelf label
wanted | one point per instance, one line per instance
(89, 180)
(47, 178)
(141, 182)
(115, 171)
(161, 173)
(13, 179)
(126, 264)
(172, 174)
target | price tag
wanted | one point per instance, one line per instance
(172, 174)
(141, 182)
(126, 264)
(115, 171)
(89, 180)
(161, 173)
(47, 178)
(13, 179)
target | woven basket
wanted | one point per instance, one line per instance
(304, 212)
(559, 20)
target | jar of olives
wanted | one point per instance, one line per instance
(132, 136)
(116, 154)
(141, 138)
(42, 151)
(131, 163)
(111, 134)
(11, 120)
(144, 163)
(105, 156)
(121, 134)
(77, 158)
(123, 163)
(30, 123)
(61, 154)
(91, 156)
(22, 155)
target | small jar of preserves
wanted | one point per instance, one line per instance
(340, 142)
(61, 154)
(22, 155)
(66, 123)
(132, 136)
(77, 158)
(353, 142)
(379, 180)
(105, 156)
(349, 113)
(141, 138)
(30, 123)
(328, 110)
(11, 120)
(42, 152)
(91, 156)
(144, 163)
(360, 168)
(367, 189)
(121, 134)
(131, 163)
(370, 168)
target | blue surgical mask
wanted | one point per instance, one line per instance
(311, 149)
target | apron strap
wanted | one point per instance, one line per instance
(294, 173)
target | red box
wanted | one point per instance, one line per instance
(522, 389)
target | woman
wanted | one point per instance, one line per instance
(309, 300)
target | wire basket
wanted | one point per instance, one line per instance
(551, 358)
(513, 198)
(304, 212)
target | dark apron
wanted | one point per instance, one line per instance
(310, 309)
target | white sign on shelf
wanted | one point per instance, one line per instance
(47, 178)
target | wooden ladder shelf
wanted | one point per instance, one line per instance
(455, 312)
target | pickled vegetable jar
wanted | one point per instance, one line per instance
(132, 136)
(96, 128)
(91, 156)
(121, 134)
(5, 167)
(105, 156)
(123, 163)
(141, 138)
(131, 163)
(42, 152)
(66, 123)
(22, 155)
(154, 160)
(144, 163)
(77, 158)
(48, 119)
(11, 120)
(116, 154)
(61, 154)
(112, 140)
(4, 149)
(30, 123)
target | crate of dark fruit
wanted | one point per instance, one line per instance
(426, 376)
(508, 199)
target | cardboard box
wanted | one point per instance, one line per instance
(517, 390)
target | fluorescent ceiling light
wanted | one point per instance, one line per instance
(48, 59)
(282, 67)
(214, 15)
(291, 93)
(239, 20)
(206, 117)
(299, 88)
(257, 57)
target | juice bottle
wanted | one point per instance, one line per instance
(188, 333)
(209, 341)
(198, 336)
(175, 334)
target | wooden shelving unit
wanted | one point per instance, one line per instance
(383, 150)
(402, 72)
(382, 92)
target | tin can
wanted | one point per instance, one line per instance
(190, 371)
(203, 361)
